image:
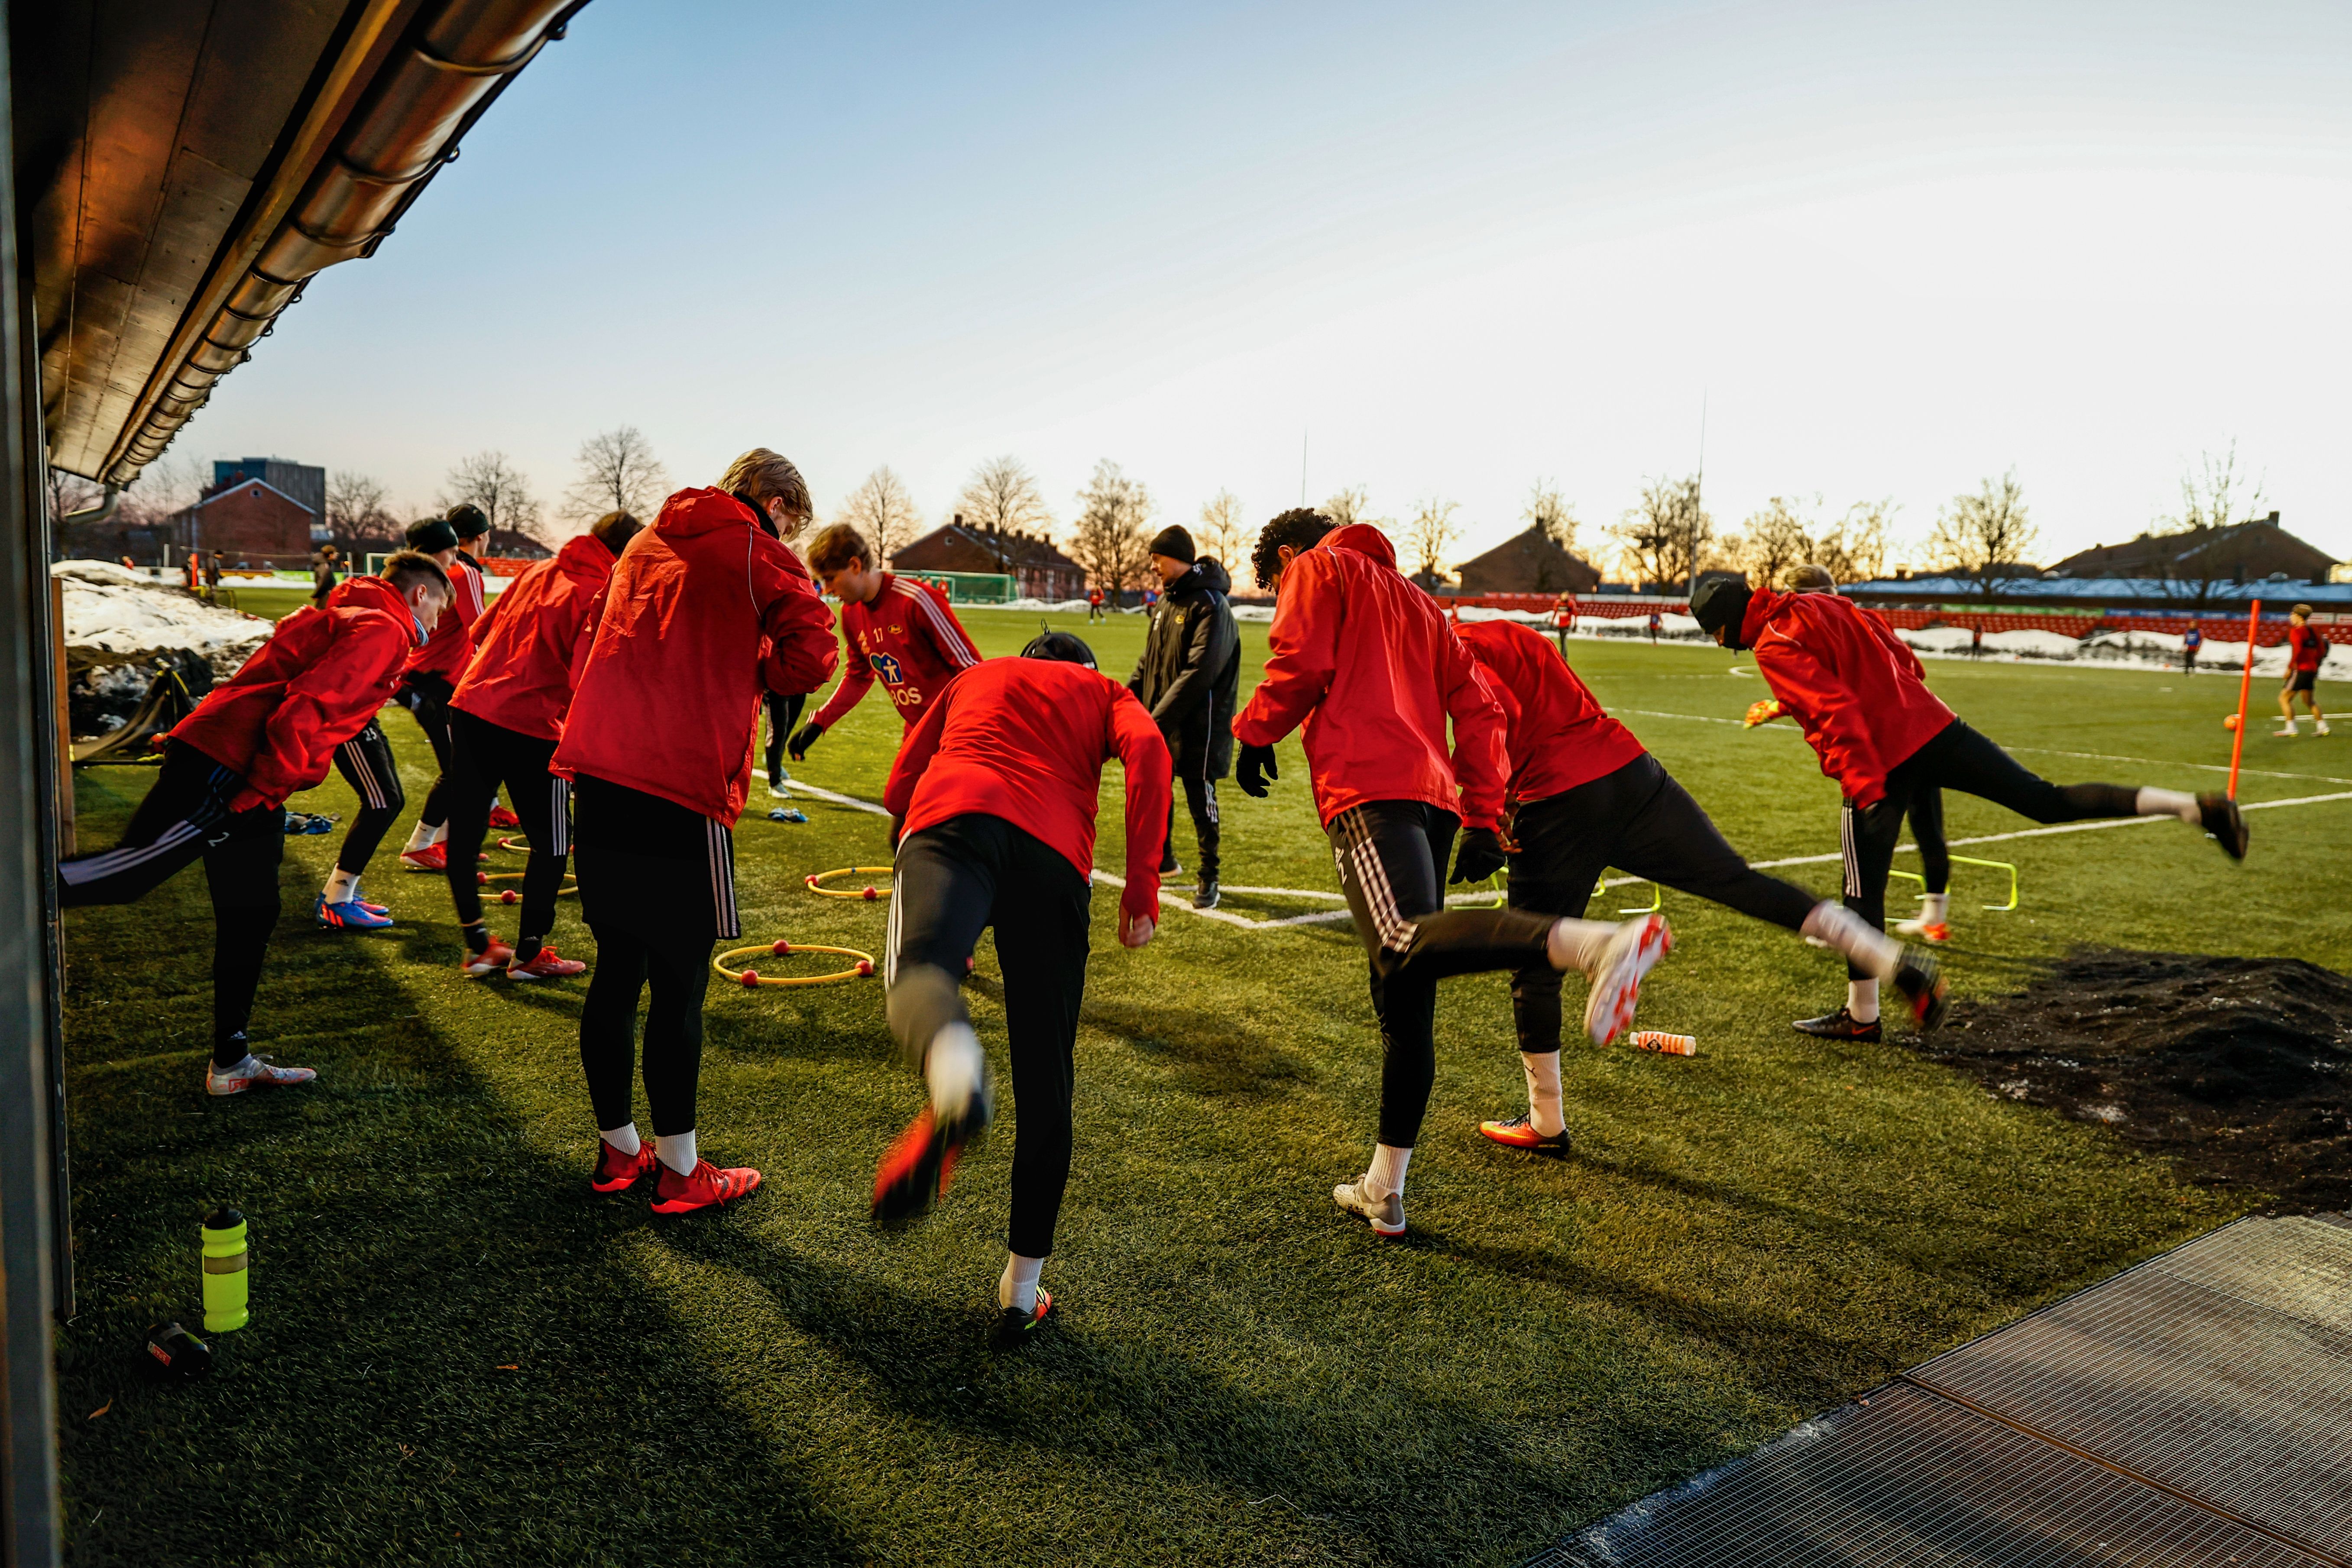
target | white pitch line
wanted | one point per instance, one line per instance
(848, 800)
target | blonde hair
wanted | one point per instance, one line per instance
(761, 476)
(837, 544)
(1807, 577)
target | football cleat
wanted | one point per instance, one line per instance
(349, 915)
(1920, 979)
(432, 858)
(503, 818)
(920, 1165)
(491, 960)
(1838, 1025)
(1637, 945)
(1205, 893)
(617, 1171)
(1012, 1325)
(1386, 1213)
(705, 1188)
(253, 1073)
(1520, 1133)
(2220, 816)
(1169, 864)
(1924, 930)
(548, 965)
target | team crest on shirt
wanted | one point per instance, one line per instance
(886, 666)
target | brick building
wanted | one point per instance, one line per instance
(250, 522)
(1528, 562)
(1038, 570)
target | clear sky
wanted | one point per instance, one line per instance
(1450, 249)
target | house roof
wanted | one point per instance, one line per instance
(1530, 538)
(2152, 554)
(230, 490)
(2145, 591)
(1020, 550)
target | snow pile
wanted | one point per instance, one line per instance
(1040, 606)
(115, 617)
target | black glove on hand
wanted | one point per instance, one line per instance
(803, 740)
(1256, 768)
(1480, 857)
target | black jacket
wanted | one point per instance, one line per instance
(1190, 671)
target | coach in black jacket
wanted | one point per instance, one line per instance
(1188, 676)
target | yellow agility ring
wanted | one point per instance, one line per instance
(869, 892)
(751, 979)
(515, 843)
(508, 896)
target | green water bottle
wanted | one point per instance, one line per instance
(226, 1275)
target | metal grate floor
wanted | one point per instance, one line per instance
(2196, 1410)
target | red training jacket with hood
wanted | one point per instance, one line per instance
(1025, 739)
(1366, 663)
(312, 686)
(1557, 735)
(451, 644)
(1852, 688)
(520, 677)
(703, 609)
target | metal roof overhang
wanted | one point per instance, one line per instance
(184, 167)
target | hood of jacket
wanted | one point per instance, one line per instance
(586, 559)
(1364, 539)
(1761, 607)
(373, 594)
(1204, 574)
(701, 510)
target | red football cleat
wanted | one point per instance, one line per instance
(492, 960)
(617, 1171)
(432, 858)
(501, 818)
(548, 965)
(705, 1188)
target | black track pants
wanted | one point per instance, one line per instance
(950, 882)
(1958, 758)
(783, 713)
(427, 697)
(1393, 857)
(1927, 832)
(185, 817)
(1641, 821)
(677, 972)
(1200, 801)
(482, 756)
(366, 763)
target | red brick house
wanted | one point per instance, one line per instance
(1528, 562)
(1038, 570)
(250, 522)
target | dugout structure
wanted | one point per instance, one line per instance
(971, 587)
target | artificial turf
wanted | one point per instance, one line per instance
(460, 1354)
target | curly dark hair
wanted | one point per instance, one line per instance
(1301, 527)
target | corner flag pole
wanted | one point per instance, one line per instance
(2245, 686)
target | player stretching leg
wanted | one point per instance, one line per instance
(1879, 732)
(264, 734)
(504, 722)
(895, 628)
(2306, 650)
(433, 670)
(996, 788)
(1366, 663)
(1587, 797)
(705, 610)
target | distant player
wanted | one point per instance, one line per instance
(706, 609)
(264, 734)
(1585, 794)
(431, 678)
(996, 788)
(1363, 663)
(1094, 606)
(2306, 650)
(1563, 620)
(1656, 623)
(1884, 738)
(2191, 641)
(899, 631)
(1187, 678)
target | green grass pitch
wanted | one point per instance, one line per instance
(460, 1354)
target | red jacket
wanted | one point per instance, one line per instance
(1851, 685)
(1366, 663)
(1557, 735)
(520, 677)
(312, 686)
(909, 638)
(2307, 646)
(704, 607)
(445, 653)
(1025, 739)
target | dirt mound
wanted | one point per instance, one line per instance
(2239, 1067)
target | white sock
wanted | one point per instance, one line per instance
(1542, 1068)
(623, 1137)
(1578, 945)
(342, 887)
(676, 1150)
(2290, 725)
(952, 1068)
(439, 834)
(1016, 1290)
(1860, 942)
(419, 839)
(1862, 1000)
(1934, 907)
(1387, 1174)
(2167, 803)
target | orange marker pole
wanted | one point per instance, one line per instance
(2245, 689)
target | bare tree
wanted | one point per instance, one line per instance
(1429, 537)
(1984, 536)
(1550, 515)
(2206, 553)
(1353, 505)
(70, 493)
(618, 472)
(1003, 495)
(355, 506)
(1221, 527)
(1772, 540)
(883, 511)
(1666, 536)
(491, 481)
(163, 490)
(1855, 549)
(1107, 537)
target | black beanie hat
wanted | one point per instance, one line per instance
(1174, 543)
(1723, 603)
(1059, 646)
(469, 519)
(432, 536)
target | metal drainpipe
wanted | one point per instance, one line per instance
(105, 508)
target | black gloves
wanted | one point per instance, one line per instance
(803, 739)
(1480, 857)
(1256, 768)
